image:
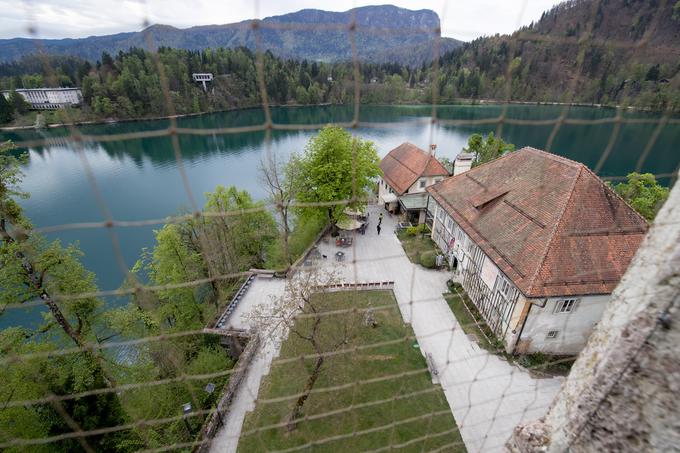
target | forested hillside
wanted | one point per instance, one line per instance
(129, 85)
(609, 52)
(384, 33)
(614, 52)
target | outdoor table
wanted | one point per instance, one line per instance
(340, 256)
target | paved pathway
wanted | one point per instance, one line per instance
(260, 291)
(487, 395)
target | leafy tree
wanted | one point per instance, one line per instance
(32, 269)
(18, 103)
(487, 149)
(6, 110)
(334, 167)
(447, 163)
(238, 235)
(643, 193)
(282, 182)
(676, 11)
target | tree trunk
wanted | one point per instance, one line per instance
(36, 282)
(286, 234)
(291, 424)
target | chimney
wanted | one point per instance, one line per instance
(433, 149)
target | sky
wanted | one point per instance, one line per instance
(463, 20)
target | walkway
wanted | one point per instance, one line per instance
(261, 291)
(487, 395)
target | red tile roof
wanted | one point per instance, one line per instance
(406, 163)
(549, 223)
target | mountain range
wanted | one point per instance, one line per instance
(383, 33)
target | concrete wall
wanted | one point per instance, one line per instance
(573, 328)
(622, 393)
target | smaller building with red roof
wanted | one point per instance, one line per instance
(539, 243)
(407, 172)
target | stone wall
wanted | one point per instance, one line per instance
(621, 394)
(214, 421)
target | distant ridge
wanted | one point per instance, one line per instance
(384, 34)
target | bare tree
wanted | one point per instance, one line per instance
(303, 311)
(281, 181)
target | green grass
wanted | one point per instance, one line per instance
(414, 246)
(486, 338)
(300, 239)
(537, 362)
(359, 393)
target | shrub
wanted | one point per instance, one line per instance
(416, 230)
(454, 286)
(412, 230)
(428, 259)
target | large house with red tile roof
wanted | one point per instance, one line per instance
(539, 242)
(407, 172)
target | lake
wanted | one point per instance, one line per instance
(139, 179)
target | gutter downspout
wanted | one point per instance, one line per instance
(524, 321)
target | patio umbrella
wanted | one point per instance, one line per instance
(352, 213)
(349, 224)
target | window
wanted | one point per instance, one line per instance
(503, 286)
(422, 183)
(449, 224)
(552, 334)
(565, 306)
(440, 214)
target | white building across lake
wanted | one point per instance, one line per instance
(539, 242)
(49, 98)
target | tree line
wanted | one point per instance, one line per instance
(130, 85)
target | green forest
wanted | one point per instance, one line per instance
(130, 85)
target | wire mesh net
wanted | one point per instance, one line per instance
(398, 369)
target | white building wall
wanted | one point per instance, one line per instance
(573, 328)
(428, 180)
(50, 98)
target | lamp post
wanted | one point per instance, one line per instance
(210, 389)
(186, 410)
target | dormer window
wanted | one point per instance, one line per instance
(422, 183)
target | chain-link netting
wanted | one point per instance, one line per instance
(376, 392)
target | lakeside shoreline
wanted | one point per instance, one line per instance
(462, 102)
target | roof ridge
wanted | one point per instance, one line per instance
(465, 173)
(402, 164)
(591, 173)
(562, 159)
(611, 189)
(427, 164)
(554, 230)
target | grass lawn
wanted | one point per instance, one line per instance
(415, 245)
(536, 362)
(366, 399)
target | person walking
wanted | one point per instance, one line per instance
(378, 228)
(380, 217)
